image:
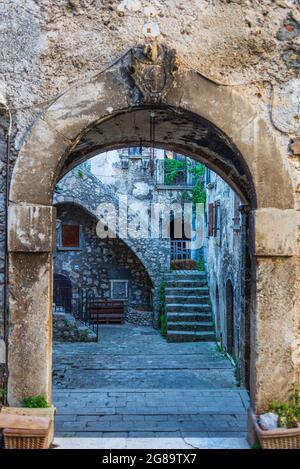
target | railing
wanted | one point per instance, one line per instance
(185, 179)
(82, 299)
(76, 301)
(180, 250)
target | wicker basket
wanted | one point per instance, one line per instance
(17, 439)
(25, 439)
(279, 438)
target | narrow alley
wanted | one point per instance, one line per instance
(133, 383)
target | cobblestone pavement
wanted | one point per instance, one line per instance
(135, 384)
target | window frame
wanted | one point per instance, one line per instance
(60, 246)
(214, 220)
(119, 281)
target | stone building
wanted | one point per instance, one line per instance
(77, 80)
(134, 261)
(225, 251)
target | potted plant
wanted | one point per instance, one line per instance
(280, 427)
(33, 406)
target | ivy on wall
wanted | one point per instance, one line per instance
(174, 169)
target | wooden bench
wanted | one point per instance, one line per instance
(106, 312)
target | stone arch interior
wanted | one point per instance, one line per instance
(176, 129)
(97, 270)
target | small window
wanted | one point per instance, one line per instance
(70, 236)
(134, 151)
(208, 176)
(214, 219)
(119, 289)
(211, 219)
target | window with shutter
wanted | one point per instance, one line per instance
(211, 218)
(70, 236)
(217, 219)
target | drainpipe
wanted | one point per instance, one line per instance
(6, 260)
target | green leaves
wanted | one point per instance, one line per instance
(35, 402)
(175, 168)
(289, 414)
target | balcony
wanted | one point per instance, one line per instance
(184, 180)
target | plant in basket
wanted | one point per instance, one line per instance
(279, 428)
(30, 426)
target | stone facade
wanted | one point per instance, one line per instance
(106, 179)
(225, 262)
(3, 151)
(67, 329)
(97, 262)
(223, 107)
(139, 317)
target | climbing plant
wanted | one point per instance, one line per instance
(175, 168)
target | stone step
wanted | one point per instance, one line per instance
(194, 317)
(188, 336)
(200, 273)
(186, 275)
(158, 440)
(188, 308)
(190, 326)
(186, 283)
(187, 299)
(184, 291)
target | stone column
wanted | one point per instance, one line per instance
(31, 242)
(273, 307)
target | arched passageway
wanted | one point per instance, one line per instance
(97, 266)
(193, 116)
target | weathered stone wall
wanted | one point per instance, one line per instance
(139, 317)
(100, 260)
(226, 261)
(82, 187)
(246, 45)
(103, 180)
(67, 329)
(3, 148)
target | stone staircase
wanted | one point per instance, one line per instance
(189, 314)
(68, 329)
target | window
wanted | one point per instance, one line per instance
(135, 151)
(211, 217)
(236, 214)
(119, 289)
(175, 169)
(70, 236)
(208, 176)
(214, 219)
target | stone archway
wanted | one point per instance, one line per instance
(208, 122)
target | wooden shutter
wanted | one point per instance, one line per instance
(216, 227)
(70, 236)
(211, 218)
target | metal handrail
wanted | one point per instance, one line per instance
(76, 301)
(179, 249)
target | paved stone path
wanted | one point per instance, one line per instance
(135, 384)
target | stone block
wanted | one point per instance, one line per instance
(2, 351)
(275, 232)
(31, 228)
